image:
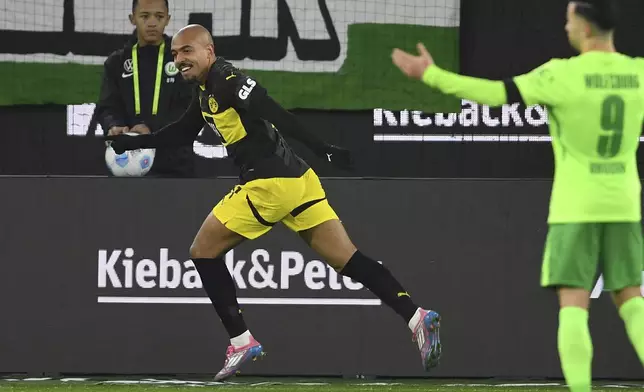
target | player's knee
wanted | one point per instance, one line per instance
(195, 252)
(341, 256)
(574, 296)
(332, 242)
(622, 296)
(199, 252)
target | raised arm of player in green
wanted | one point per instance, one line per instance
(539, 86)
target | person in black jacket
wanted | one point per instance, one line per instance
(142, 90)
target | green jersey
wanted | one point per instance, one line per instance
(595, 104)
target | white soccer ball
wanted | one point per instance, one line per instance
(135, 163)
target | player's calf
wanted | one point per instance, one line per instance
(331, 241)
(631, 310)
(207, 250)
(573, 338)
(425, 325)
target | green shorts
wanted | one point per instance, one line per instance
(575, 253)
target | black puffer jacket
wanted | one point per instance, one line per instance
(116, 106)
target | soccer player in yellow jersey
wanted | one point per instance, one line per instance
(596, 106)
(276, 185)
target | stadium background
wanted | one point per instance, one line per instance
(474, 183)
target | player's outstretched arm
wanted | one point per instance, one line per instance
(258, 102)
(422, 67)
(487, 92)
(179, 133)
(546, 85)
(286, 122)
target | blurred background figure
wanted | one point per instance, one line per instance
(142, 90)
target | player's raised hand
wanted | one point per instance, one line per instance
(340, 157)
(411, 65)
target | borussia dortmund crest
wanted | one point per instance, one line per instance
(213, 105)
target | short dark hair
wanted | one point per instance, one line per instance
(602, 13)
(136, 2)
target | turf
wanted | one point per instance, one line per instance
(294, 385)
(366, 80)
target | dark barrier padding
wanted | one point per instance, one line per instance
(469, 249)
(37, 142)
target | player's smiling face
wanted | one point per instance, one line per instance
(191, 58)
(150, 18)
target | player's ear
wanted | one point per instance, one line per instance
(587, 28)
(131, 17)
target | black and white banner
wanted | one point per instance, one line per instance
(97, 279)
(475, 123)
(261, 277)
(278, 35)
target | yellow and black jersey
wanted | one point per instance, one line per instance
(247, 120)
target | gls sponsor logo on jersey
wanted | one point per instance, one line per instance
(247, 88)
(120, 271)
